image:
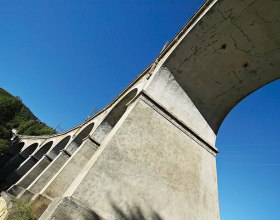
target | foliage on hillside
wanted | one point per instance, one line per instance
(14, 114)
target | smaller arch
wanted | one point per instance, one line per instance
(114, 116)
(57, 148)
(17, 160)
(29, 150)
(43, 150)
(78, 140)
(16, 148)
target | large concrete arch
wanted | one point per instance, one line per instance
(225, 53)
(230, 52)
(154, 146)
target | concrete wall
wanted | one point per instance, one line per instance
(157, 138)
(152, 164)
(166, 90)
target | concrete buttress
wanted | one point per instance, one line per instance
(152, 149)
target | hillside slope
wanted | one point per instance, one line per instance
(14, 114)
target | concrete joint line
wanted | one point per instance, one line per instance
(34, 157)
(66, 152)
(43, 195)
(48, 157)
(177, 122)
(93, 140)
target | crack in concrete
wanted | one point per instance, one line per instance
(242, 32)
(238, 48)
(262, 18)
(235, 87)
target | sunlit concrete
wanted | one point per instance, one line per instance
(153, 148)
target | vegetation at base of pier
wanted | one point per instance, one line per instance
(15, 115)
(21, 211)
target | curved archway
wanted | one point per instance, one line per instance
(28, 164)
(13, 151)
(79, 138)
(57, 148)
(29, 150)
(249, 154)
(17, 160)
(243, 59)
(113, 116)
(44, 149)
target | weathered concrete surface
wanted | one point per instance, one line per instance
(66, 175)
(41, 181)
(166, 90)
(157, 137)
(70, 210)
(233, 50)
(34, 172)
(39, 204)
(126, 171)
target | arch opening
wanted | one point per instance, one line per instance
(249, 151)
(17, 160)
(57, 148)
(43, 150)
(78, 140)
(113, 116)
(29, 150)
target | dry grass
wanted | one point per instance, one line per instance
(21, 211)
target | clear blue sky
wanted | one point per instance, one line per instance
(65, 57)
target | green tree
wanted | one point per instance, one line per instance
(15, 115)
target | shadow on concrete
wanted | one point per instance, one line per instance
(135, 214)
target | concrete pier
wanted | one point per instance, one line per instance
(152, 149)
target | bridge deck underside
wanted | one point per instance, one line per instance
(233, 50)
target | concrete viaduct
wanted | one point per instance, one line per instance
(153, 148)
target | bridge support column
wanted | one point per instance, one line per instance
(13, 164)
(150, 161)
(30, 176)
(23, 169)
(70, 210)
(40, 182)
(63, 179)
(58, 185)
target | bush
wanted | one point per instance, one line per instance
(21, 211)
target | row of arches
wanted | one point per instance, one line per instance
(98, 131)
